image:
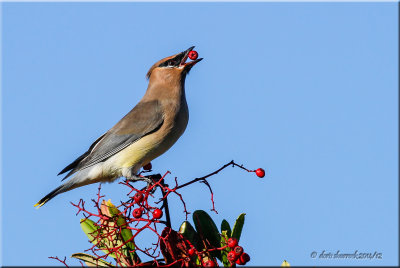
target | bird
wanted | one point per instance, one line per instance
(151, 128)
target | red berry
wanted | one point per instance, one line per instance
(238, 250)
(157, 213)
(191, 251)
(232, 256)
(239, 261)
(137, 213)
(148, 166)
(138, 197)
(260, 172)
(245, 257)
(193, 55)
(209, 263)
(232, 242)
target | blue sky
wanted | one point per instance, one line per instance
(308, 91)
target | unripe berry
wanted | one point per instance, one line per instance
(193, 55)
(148, 166)
(137, 213)
(209, 263)
(238, 250)
(191, 251)
(232, 256)
(157, 213)
(232, 242)
(245, 257)
(260, 172)
(138, 197)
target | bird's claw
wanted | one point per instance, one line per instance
(150, 179)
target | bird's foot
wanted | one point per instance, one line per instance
(150, 179)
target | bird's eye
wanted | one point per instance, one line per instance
(172, 63)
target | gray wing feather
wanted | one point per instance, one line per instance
(143, 119)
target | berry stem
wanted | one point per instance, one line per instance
(213, 173)
(165, 204)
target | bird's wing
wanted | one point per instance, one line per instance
(143, 119)
(80, 158)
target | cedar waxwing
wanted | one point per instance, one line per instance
(146, 132)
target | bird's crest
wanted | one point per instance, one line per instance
(155, 65)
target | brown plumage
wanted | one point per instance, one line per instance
(146, 132)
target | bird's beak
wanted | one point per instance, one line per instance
(184, 55)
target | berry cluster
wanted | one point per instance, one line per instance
(115, 229)
(236, 255)
(138, 212)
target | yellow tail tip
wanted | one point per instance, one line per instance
(39, 204)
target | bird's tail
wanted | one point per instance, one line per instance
(79, 180)
(60, 189)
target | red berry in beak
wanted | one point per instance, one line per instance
(137, 213)
(157, 213)
(148, 166)
(260, 172)
(193, 55)
(232, 242)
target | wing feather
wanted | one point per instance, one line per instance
(143, 119)
(76, 161)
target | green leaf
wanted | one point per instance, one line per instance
(224, 252)
(226, 227)
(90, 228)
(198, 262)
(190, 234)
(126, 233)
(207, 230)
(238, 226)
(121, 222)
(91, 261)
(128, 249)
